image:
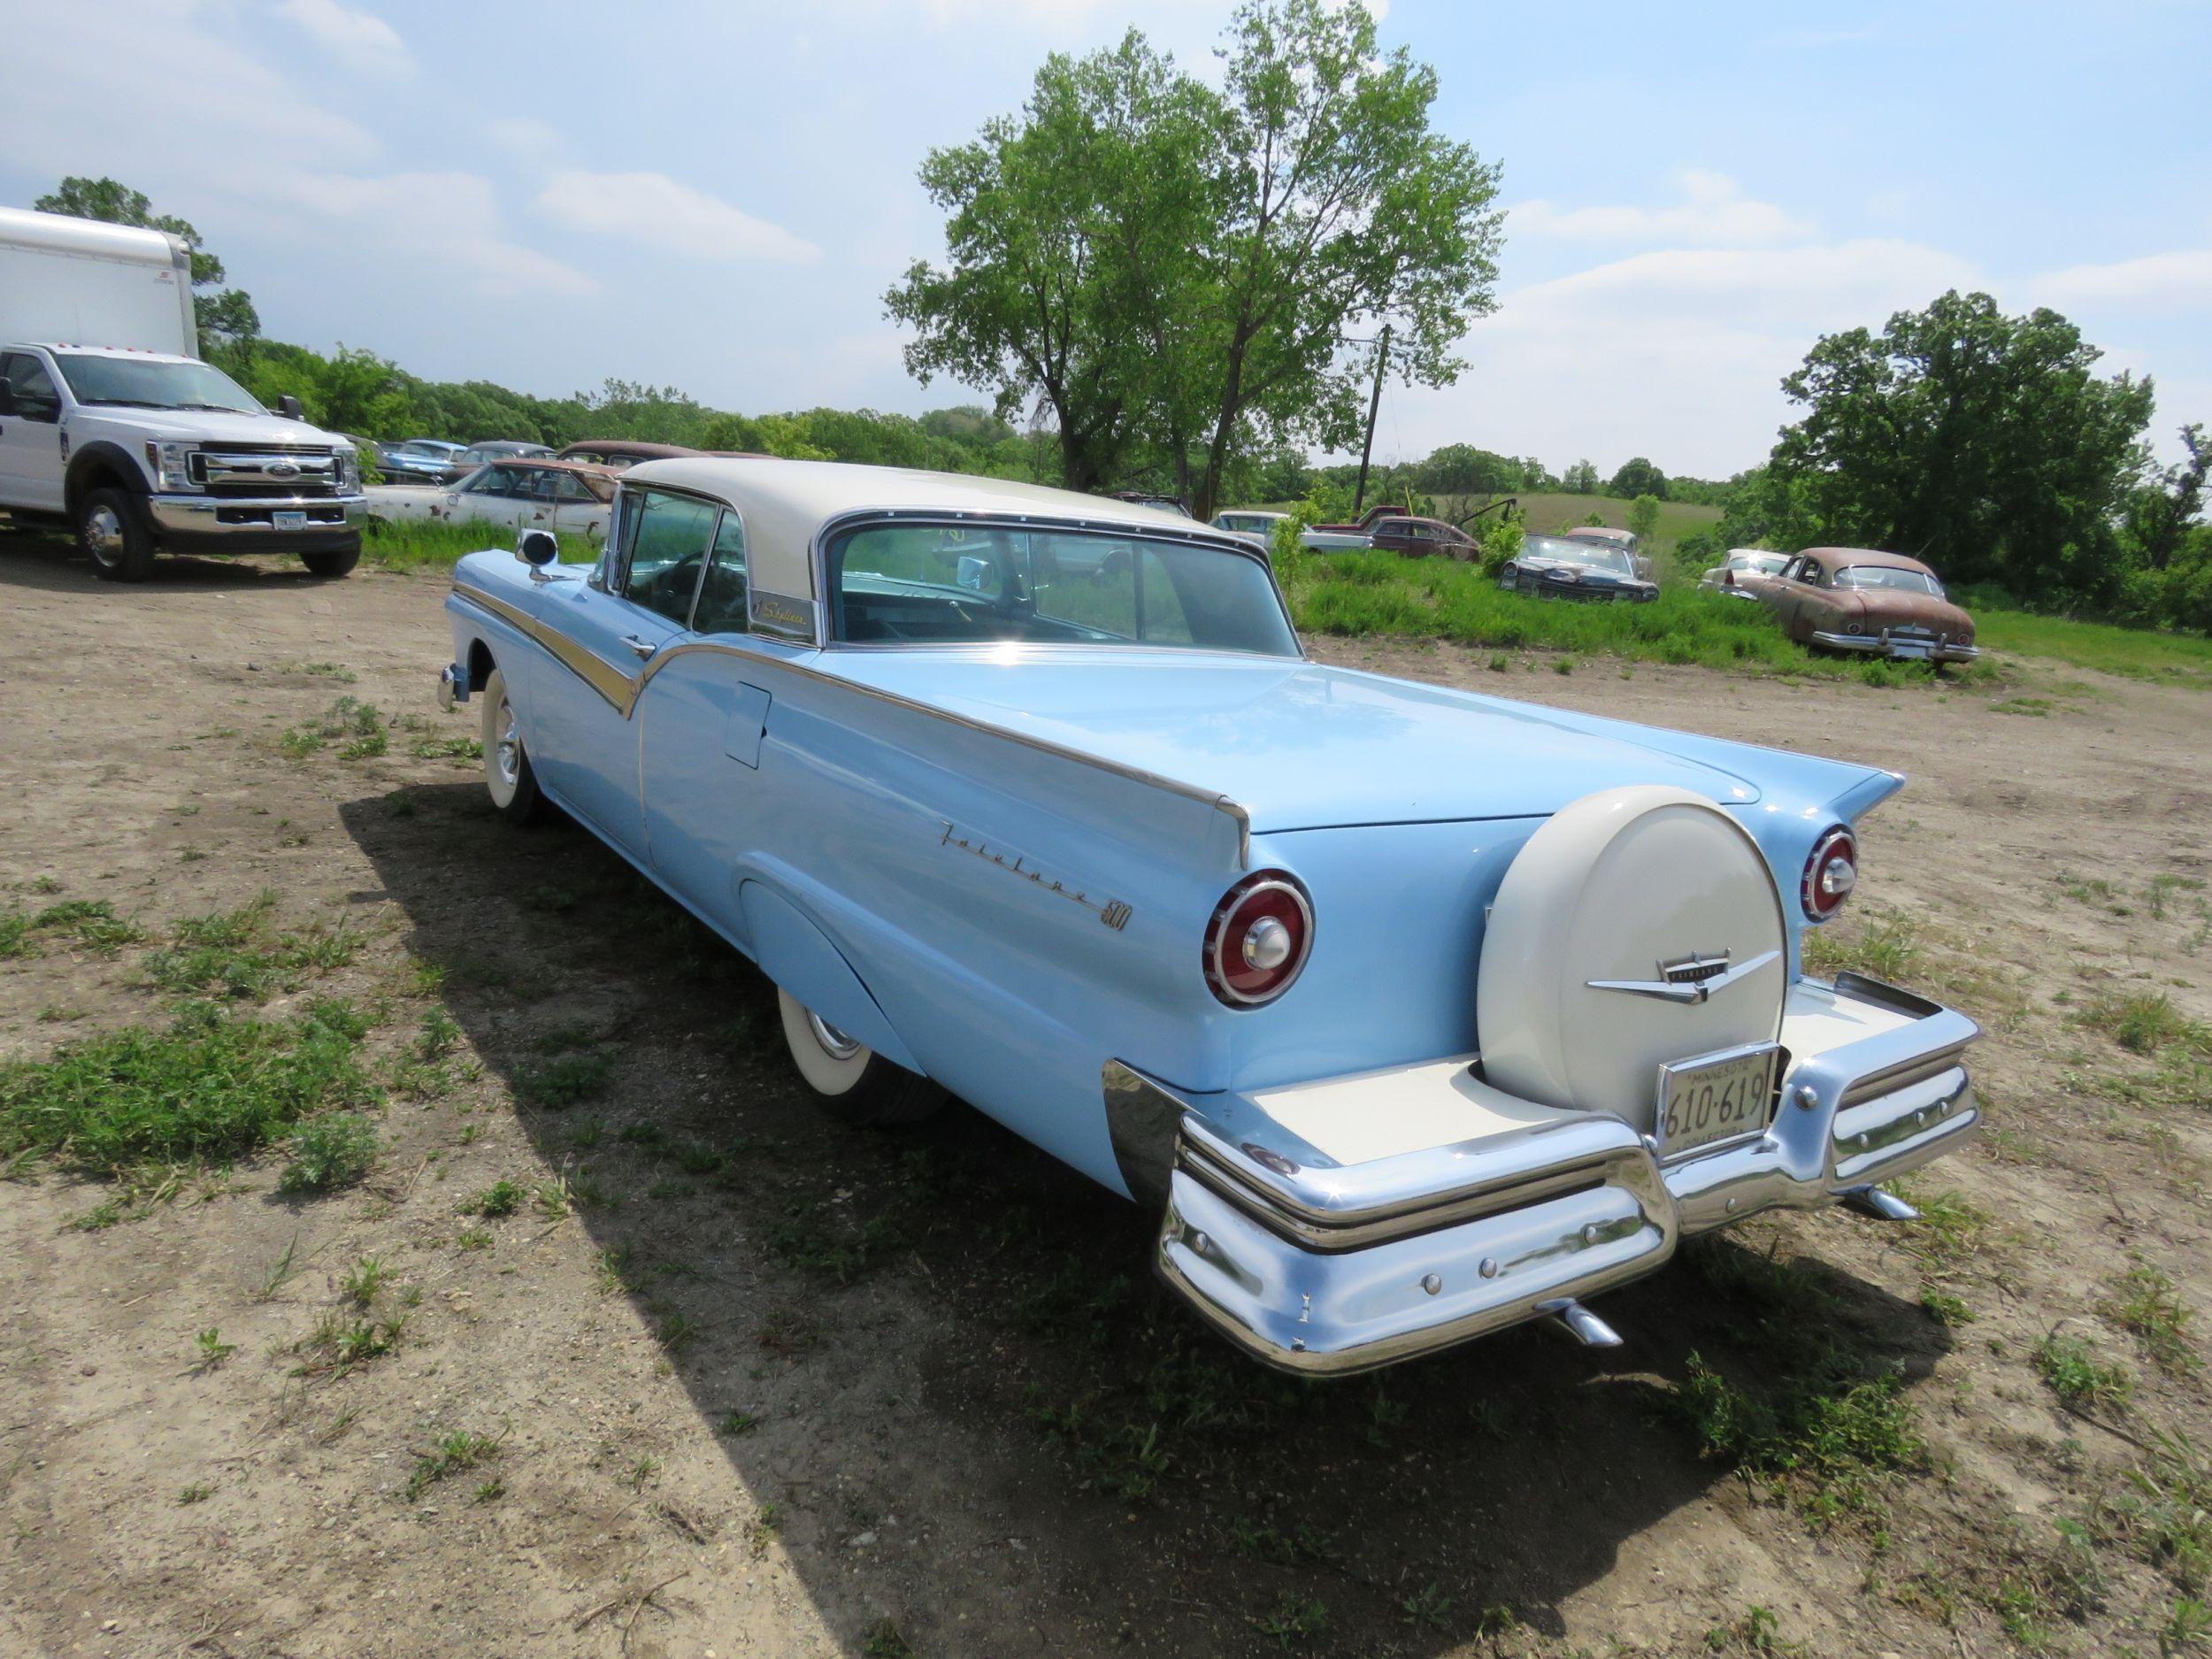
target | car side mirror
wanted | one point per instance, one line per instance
(288, 406)
(537, 548)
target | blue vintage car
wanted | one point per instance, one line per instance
(1413, 1013)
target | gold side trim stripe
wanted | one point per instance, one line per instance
(622, 692)
(618, 688)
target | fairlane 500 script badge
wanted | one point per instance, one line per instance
(1113, 912)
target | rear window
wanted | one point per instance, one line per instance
(920, 584)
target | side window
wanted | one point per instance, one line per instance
(31, 392)
(574, 489)
(544, 482)
(492, 481)
(722, 591)
(668, 537)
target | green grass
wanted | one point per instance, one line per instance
(1547, 512)
(329, 1153)
(208, 1088)
(91, 923)
(2142, 653)
(415, 545)
(2146, 1023)
(2077, 1377)
(448, 1455)
(1360, 594)
(241, 955)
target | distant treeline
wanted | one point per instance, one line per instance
(367, 396)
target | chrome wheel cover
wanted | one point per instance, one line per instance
(507, 753)
(834, 1043)
(104, 535)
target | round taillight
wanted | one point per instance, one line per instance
(1258, 939)
(1830, 874)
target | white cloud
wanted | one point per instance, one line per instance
(524, 137)
(1712, 213)
(2179, 280)
(174, 90)
(359, 38)
(448, 223)
(1677, 354)
(653, 210)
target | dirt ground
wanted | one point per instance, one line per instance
(757, 1384)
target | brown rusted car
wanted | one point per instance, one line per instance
(1421, 538)
(1856, 599)
(621, 453)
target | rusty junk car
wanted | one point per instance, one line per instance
(1881, 604)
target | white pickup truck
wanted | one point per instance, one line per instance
(111, 426)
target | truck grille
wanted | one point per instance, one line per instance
(258, 470)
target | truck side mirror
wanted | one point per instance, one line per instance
(288, 406)
(537, 548)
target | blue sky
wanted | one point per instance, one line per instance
(716, 196)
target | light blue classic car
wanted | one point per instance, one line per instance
(1413, 1013)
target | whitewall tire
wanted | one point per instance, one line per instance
(507, 775)
(851, 1080)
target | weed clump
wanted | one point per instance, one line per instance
(329, 1153)
(208, 1088)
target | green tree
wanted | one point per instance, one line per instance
(1581, 479)
(2167, 503)
(1637, 477)
(1643, 517)
(226, 314)
(1461, 469)
(1985, 444)
(1177, 269)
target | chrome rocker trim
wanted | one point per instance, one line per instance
(1327, 1269)
(1910, 646)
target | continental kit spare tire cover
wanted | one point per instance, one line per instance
(1646, 885)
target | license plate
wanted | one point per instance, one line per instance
(288, 520)
(1714, 1098)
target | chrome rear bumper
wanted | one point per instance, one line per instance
(1328, 1268)
(1906, 647)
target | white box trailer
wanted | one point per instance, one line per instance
(111, 425)
(85, 283)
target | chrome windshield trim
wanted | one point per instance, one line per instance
(1200, 535)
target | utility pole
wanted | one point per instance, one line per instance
(1374, 402)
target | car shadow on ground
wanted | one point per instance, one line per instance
(944, 1316)
(50, 561)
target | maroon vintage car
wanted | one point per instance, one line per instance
(1365, 524)
(1421, 538)
(1856, 599)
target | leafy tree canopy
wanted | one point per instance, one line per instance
(1637, 477)
(1985, 444)
(1183, 268)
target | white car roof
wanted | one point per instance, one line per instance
(785, 506)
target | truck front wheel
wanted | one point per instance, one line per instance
(115, 536)
(332, 561)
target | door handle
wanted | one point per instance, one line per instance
(643, 648)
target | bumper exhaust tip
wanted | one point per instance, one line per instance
(1579, 1323)
(1879, 1204)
